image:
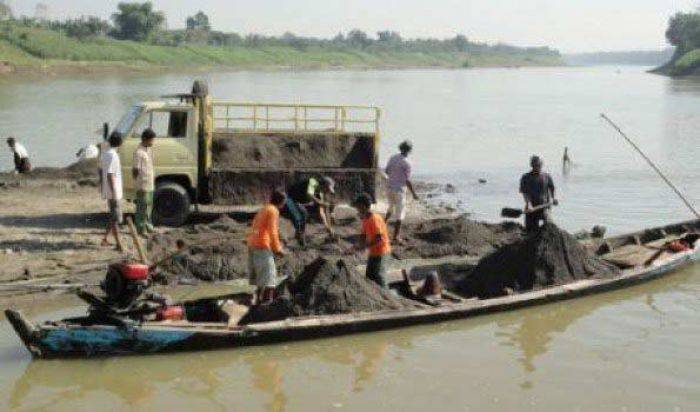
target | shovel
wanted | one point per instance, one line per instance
(512, 213)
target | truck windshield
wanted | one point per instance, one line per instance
(127, 122)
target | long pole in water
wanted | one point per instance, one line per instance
(656, 169)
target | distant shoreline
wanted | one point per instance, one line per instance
(40, 51)
(71, 68)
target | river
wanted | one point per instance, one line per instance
(631, 350)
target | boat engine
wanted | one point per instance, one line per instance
(124, 283)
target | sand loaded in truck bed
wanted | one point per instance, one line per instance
(246, 166)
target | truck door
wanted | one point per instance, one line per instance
(175, 148)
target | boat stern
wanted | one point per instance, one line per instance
(27, 331)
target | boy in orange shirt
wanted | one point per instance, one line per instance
(263, 243)
(375, 238)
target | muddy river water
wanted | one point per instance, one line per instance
(634, 349)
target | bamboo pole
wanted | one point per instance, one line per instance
(651, 163)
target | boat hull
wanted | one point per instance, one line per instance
(69, 340)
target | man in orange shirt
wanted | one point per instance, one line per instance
(375, 238)
(263, 243)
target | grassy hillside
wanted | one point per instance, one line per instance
(27, 48)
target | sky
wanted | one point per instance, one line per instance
(567, 25)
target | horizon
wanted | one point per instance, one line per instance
(568, 28)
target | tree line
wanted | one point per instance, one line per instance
(142, 23)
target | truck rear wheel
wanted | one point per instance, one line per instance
(171, 205)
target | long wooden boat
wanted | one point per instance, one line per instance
(641, 255)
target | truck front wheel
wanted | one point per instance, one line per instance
(171, 204)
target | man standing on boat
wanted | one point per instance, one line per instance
(374, 238)
(398, 171)
(263, 244)
(537, 188)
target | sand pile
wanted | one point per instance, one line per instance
(328, 287)
(218, 251)
(332, 287)
(456, 236)
(311, 150)
(549, 257)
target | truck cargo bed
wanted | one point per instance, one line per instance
(247, 166)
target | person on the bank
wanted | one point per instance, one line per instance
(375, 239)
(537, 188)
(398, 171)
(111, 169)
(144, 181)
(20, 155)
(310, 197)
(263, 244)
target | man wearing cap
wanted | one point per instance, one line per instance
(374, 239)
(398, 171)
(309, 196)
(537, 188)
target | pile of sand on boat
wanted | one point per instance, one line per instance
(546, 258)
(218, 251)
(325, 287)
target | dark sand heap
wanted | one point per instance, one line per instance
(311, 150)
(549, 257)
(456, 236)
(328, 287)
(331, 287)
(219, 251)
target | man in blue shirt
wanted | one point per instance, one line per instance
(537, 188)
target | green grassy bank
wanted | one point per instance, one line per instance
(37, 49)
(682, 64)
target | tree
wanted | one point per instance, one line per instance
(137, 21)
(358, 38)
(83, 27)
(292, 40)
(339, 38)
(460, 43)
(5, 11)
(684, 31)
(199, 21)
(389, 36)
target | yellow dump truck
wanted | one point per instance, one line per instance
(226, 153)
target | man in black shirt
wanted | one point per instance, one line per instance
(537, 188)
(309, 196)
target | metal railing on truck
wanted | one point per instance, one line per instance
(271, 117)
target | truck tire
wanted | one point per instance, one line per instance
(171, 205)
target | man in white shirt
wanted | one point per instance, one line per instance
(20, 154)
(111, 169)
(144, 180)
(398, 171)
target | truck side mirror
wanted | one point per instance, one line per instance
(105, 130)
